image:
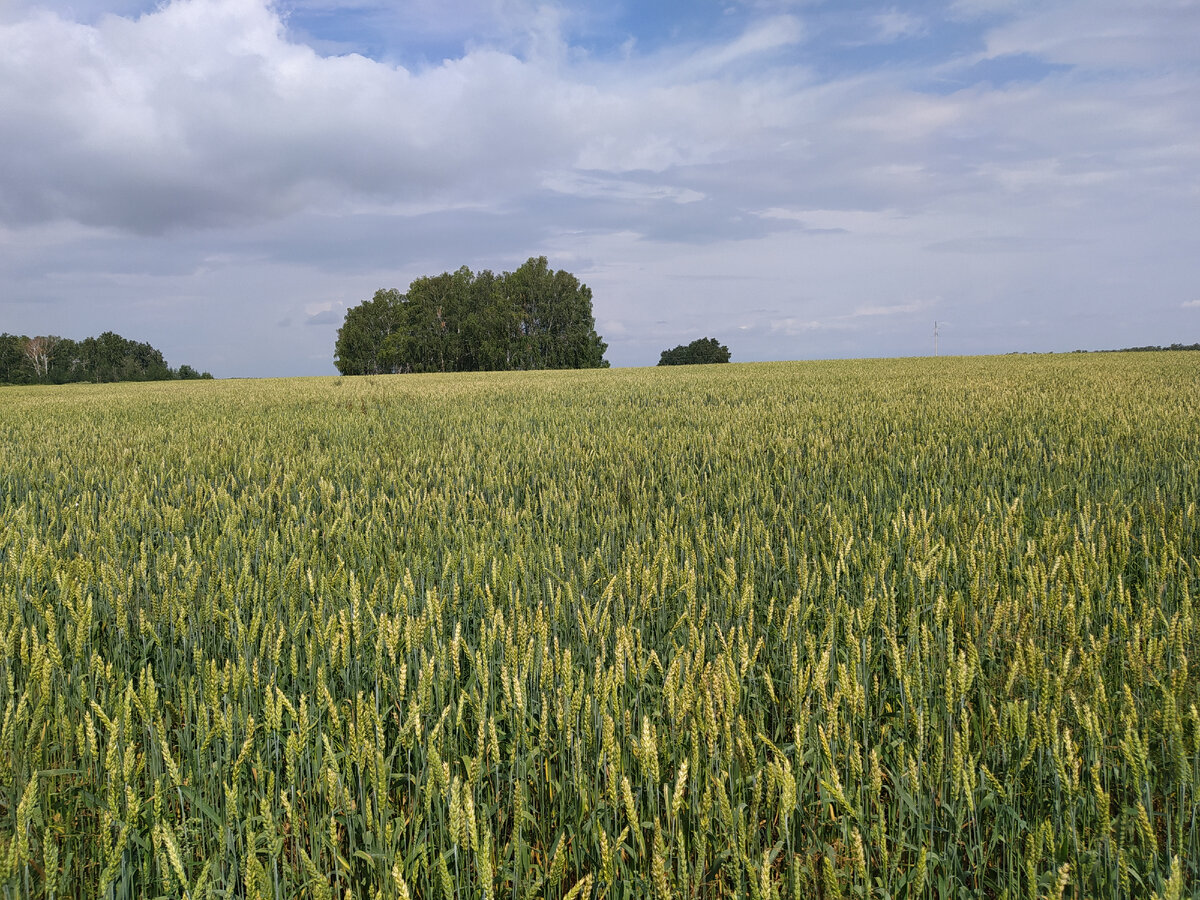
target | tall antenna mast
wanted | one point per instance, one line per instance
(935, 336)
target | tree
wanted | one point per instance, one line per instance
(110, 357)
(13, 367)
(39, 350)
(65, 364)
(430, 336)
(47, 359)
(554, 324)
(699, 351)
(533, 318)
(361, 336)
(488, 326)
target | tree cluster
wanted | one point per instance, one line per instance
(1154, 348)
(47, 359)
(1149, 348)
(463, 321)
(699, 351)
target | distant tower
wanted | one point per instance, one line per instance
(935, 337)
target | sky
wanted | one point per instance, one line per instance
(798, 179)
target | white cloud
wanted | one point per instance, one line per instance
(203, 165)
(205, 113)
(618, 189)
(855, 320)
(326, 317)
(763, 37)
(975, 8)
(894, 25)
(793, 326)
(840, 220)
(1104, 34)
(1190, 304)
(894, 309)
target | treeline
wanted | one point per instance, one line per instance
(1149, 348)
(1154, 347)
(48, 359)
(699, 352)
(533, 318)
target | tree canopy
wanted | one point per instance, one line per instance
(533, 318)
(701, 350)
(48, 359)
(366, 327)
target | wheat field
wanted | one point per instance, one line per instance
(892, 629)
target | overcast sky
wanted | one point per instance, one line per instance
(223, 178)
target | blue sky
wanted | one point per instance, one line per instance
(805, 179)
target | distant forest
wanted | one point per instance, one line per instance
(1157, 347)
(1149, 348)
(47, 359)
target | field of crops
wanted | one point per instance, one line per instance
(916, 628)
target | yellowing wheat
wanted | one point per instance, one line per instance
(880, 628)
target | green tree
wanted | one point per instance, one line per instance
(48, 359)
(39, 351)
(431, 335)
(14, 367)
(65, 365)
(361, 337)
(110, 357)
(533, 318)
(553, 318)
(488, 326)
(699, 351)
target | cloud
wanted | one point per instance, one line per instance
(207, 114)
(326, 317)
(1190, 304)
(203, 113)
(971, 9)
(792, 325)
(894, 309)
(763, 37)
(207, 169)
(580, 185)
(1103, 34)
(894, 25)
(998, 243)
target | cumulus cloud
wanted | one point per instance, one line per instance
(326, 317)
(204, 113)
(232, 158)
